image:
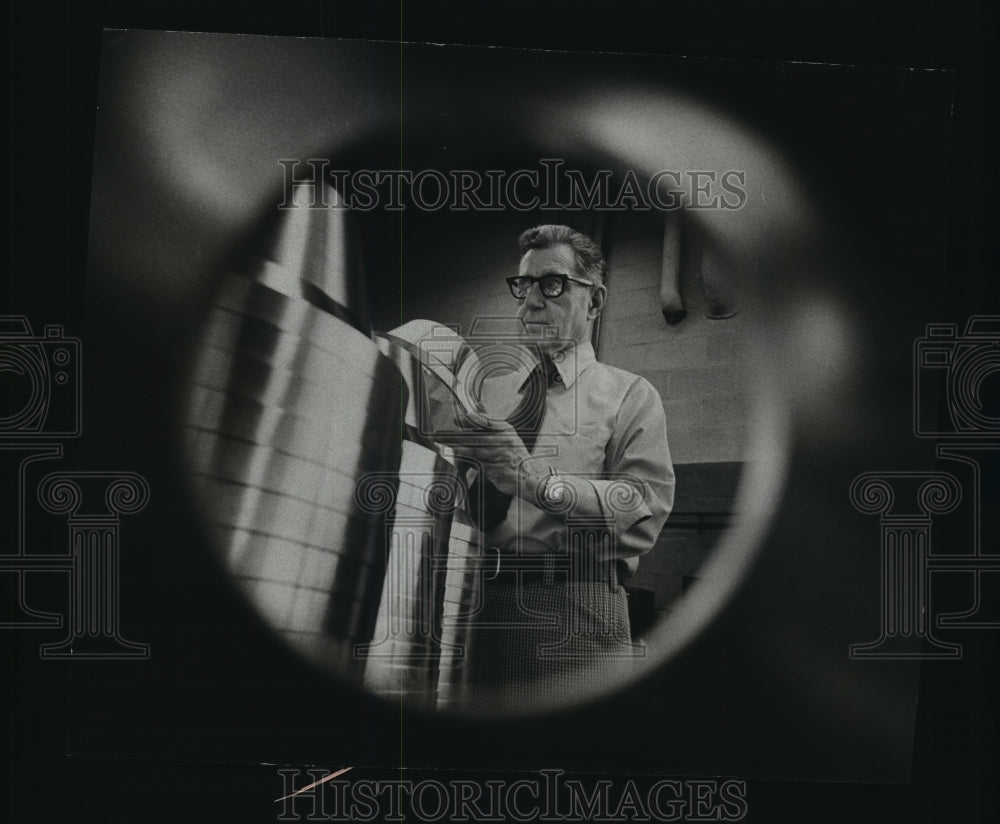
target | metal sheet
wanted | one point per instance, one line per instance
(343, 522)
(290, 406)
(313, 243)
(218, 414)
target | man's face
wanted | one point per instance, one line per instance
(567, 317)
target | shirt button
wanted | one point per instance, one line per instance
(557, 378)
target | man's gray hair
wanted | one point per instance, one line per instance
(590, 263)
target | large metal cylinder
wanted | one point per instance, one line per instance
(421, 640)
(461, 601)
(290, 404)
(313, 450)
(402, 660)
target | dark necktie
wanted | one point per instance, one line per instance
(526, 420)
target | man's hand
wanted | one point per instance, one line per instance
(498, 446)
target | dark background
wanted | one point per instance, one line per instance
(53, 91)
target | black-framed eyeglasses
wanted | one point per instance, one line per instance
(552, 286)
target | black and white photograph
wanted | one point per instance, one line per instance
(424, 416)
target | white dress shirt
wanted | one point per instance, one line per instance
(605, 427)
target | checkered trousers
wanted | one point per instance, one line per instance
(548, 641)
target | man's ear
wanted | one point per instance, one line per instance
(598, 296)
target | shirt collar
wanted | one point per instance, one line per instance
(570, 362)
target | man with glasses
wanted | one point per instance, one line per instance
(574, 485)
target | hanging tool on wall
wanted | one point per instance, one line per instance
(717, 287)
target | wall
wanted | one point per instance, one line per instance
(699, 370)
(695, 364)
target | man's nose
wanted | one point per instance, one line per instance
(535, 298)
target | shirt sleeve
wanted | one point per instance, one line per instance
(637, 492)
